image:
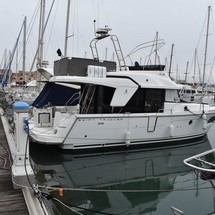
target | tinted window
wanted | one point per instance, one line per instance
(146, 100)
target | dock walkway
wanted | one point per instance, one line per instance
(11, 200)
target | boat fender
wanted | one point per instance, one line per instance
(171, 130)
(127, 138)
(204, 122)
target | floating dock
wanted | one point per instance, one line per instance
(11, 200)
(17, 196)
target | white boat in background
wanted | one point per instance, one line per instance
(127, 107)
(190, 94)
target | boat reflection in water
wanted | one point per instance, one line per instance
(143, 181)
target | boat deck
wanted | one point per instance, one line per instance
(11, 200)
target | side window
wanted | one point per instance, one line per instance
(154, 100)
(136, 103)
(146, 101)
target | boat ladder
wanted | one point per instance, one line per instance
(118, 50)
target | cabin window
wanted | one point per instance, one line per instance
(172, 95)
(154, 100)
(146, 101)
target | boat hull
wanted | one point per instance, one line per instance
(101, 131)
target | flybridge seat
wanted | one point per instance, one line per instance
(78, 66)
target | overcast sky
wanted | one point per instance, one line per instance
(178, 22)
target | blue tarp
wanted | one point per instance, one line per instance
(57, 95)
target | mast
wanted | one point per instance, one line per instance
(177, 73)
(40, 41)
(24, 48)
(17, 65)
(67, 28)
(186, 72)
(156, 48)
(206, 46)
(170, 65)
(41, 34)
(195, 59)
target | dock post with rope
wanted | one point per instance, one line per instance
(20, 151)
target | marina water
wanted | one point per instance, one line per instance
(137, 181)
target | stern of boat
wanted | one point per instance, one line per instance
(51, 125)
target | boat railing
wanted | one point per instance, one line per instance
(199, 163)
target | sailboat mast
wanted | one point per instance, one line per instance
(206, 45)
(67, 28)
(177, 76)
(17, 57)
(24, 48)
(156, 47)
(41, 34)
(195, 59)
(186, 72)
(170, 65)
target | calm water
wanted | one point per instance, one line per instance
(125, 182)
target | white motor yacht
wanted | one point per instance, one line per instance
(100, 108)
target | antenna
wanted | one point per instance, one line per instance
(94, 23)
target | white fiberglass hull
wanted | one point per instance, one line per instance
(76, 131)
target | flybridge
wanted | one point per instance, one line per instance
(79, 66)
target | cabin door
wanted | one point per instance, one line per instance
(152, 120)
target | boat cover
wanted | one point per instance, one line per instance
(57, 95)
